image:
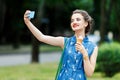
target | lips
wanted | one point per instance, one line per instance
(75, 25)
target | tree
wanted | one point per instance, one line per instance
(35, 42)
(103, 20)
(96, 13)
(115, 19)
(106, 12)
(2, 15)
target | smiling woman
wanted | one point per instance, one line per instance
(79, 52)
(76, 57)
(84, 19)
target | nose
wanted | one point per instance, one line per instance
(74, 23)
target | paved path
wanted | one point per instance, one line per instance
(17, 59)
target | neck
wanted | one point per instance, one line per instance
(80, 33)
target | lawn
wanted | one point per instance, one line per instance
(36, 71)
(29, 72)
(39, 72)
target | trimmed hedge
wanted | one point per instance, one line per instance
(108, 60)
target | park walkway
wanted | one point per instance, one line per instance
(25, 58)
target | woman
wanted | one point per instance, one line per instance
(79, 58)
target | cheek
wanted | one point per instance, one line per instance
(71, 24)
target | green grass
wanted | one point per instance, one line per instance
(37, 71)
(40, 72)
(29, 72)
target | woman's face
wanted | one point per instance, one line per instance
(77, 22)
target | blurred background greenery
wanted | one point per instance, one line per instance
(52, 17)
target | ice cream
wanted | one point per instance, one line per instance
(79, 39)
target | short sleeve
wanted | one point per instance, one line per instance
(65, 40)
(91, 47)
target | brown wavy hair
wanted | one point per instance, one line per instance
(87, 18)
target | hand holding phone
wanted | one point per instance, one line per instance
(31, 15)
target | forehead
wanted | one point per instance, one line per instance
(77, 15)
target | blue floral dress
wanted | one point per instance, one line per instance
(72, 60)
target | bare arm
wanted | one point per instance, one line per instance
(89, 64)
(56, 41)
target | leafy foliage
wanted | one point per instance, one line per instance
(109, 58)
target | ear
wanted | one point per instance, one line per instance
(86, 24)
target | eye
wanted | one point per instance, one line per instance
(78, 19)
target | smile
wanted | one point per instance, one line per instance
(75, 25)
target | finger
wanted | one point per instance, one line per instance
(78, 43)
(78, 48)
(27, 12)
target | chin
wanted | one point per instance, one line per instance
(75, 29)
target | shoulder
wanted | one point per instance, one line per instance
(91, 41)
(88, 42)
(92, 44)
(68, 38)
(94, 48)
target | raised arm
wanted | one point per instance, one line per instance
(55, 41)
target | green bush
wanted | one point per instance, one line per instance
(108, 60)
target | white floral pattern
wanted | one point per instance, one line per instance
(72, 68)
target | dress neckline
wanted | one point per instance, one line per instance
(85, 39)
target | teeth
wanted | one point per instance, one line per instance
(75, 25)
